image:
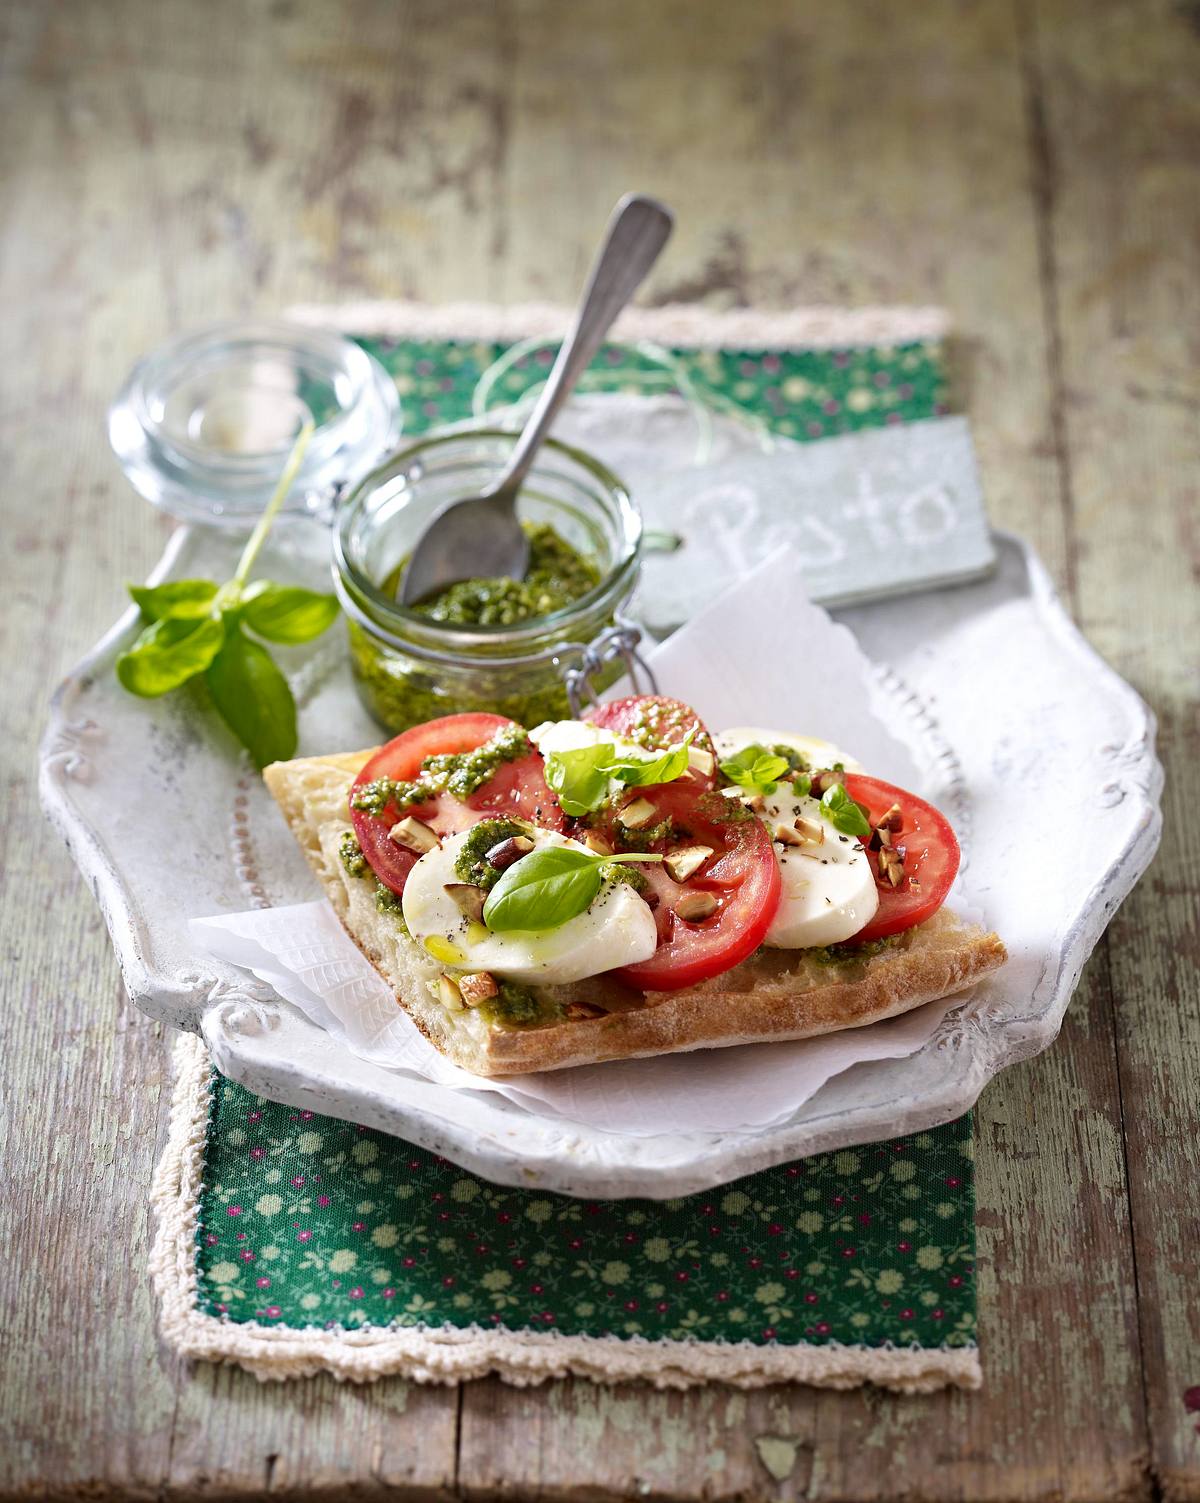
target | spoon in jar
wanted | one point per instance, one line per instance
(480, 537)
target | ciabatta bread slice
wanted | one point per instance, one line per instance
(776, 994)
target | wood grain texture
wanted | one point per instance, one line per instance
(1033, 165)
(1122, 109)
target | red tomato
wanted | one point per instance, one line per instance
(930, 857)
(742, 874)
(515, 788)
(657, 722)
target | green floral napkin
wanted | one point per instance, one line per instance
(291, 1242)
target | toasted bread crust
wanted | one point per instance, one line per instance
(776, 994)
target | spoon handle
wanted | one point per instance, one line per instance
(637, 231)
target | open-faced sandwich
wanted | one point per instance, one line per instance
(630, 885)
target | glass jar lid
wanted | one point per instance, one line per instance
(204, 425)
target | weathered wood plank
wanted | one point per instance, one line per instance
(1123, 132)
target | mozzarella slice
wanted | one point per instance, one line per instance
(618, 929)
(818, 753)
(828, 890)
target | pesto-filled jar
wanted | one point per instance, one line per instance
(531, 651)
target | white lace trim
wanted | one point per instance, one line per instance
(679, 324)
(447, 1354)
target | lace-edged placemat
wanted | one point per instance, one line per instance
(293, 1244)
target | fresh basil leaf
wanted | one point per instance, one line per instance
(577, 777)
(665, 769)
(177, 600)
(844, 813)
(755, 768)
(167, 654)
(253, 698)
(286, 613)
(543, 890)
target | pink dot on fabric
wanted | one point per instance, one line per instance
(389, 1293)
(771, 364)
(303, 1236)
(298, 1181)
(769, 1333)
(254, 1117)
(257, 1153)
(822, 1328)
(356, 1292)
(323, 1201)
(358, 1226)
(273, 1311)
(938, 1314)
(906, 1315)
(810, 1298)
(212, 1239)
(233, 1210)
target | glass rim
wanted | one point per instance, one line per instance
(611, 591)
(234, 334)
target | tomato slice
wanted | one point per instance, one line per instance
(516, 788)
(742, 874)
(931, 857)
(657, 722)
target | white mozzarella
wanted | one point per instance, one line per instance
(818, 753)
(828, 891)
(618, 929)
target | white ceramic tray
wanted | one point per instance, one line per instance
(1041, 755)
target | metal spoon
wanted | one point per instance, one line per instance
(479, 537)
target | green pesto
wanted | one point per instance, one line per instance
(620, 871)
(471, 864)
(351, 855)
(796, 760)
(463, 773)
(626, 839)
(401, 691)
(660, 723)
(517, 1007)
(557, 575)
(460, 774)
(388, 903)
(849, 950)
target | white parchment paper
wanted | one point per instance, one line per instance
(761, 654)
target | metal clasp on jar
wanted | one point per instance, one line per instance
(617, 641)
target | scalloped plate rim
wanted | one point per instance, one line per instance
(715, 1160)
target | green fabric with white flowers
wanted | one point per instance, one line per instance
(309, 1222)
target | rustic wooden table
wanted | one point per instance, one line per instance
(1035, 165)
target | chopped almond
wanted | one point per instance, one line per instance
(478, 988)
(891, 865)
(469, 898)
(811, 831)
(414, 835)
(695, 907)
(701, 761)
(638, 814)
(754, 802)
(449, 995)
(822, 782)
(788, 835)
(503, 855)
(686, 859)
(893, 820)
(579, 1012)
(597, 844)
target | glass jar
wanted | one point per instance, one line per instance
(410, 668)
(204, 425)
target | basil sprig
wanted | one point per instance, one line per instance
(196, 627)
(581, 777)
(547, 888)
(755, 769)
(843, 813)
